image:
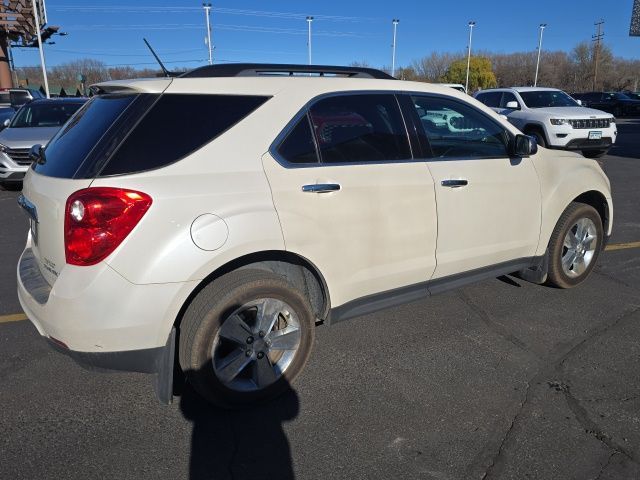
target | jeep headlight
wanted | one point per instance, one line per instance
(559, 121)
(3, 148)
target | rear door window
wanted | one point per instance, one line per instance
(298, 147)
(360, 128)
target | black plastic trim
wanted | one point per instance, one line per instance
(158, 361)
(419, 291)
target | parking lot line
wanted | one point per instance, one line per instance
(15, 317)
(18, 317)
(622, 246)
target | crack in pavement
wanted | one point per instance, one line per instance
(604, 467)
(554, 367)
(590, 427)
(498, 455)
(494, 326)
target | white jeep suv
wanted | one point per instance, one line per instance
(220, 216)
(554, 118)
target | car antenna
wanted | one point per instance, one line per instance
(166, 72)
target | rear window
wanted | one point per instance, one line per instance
(67, 150)
(120, 134)
(177, 125)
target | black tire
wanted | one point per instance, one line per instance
(11, 186)
(594, 153)
(539, 136)
(568, 220)
(209, 310)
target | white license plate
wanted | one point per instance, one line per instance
(595, 135)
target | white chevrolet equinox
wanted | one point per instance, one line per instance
(218, 217)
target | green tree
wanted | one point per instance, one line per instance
(481, 74)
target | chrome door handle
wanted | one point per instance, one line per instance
(454, 183)
(321, 187)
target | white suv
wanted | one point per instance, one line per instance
(554, 118)
(220, 216)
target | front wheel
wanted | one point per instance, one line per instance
(539, 136)
(245, 337)
(575, 245)
(594, 153)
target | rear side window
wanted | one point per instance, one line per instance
(359, 128)
(298, 146)
(177, 125)
(490, 99)
(68, 149)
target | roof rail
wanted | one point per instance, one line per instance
(283, 69)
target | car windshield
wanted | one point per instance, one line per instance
(547, 98)
(44, 114)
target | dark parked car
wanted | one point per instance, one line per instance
(6, 113)
(633, 95)
(616, 103)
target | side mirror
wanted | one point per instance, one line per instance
(6, 122)
(524, 146)
(513, 105)
(579, 102)
(35, 153)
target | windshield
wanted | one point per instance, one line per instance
(44, 115)
(548, 98)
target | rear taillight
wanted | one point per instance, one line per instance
(97, 220)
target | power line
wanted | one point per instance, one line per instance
(219, 10)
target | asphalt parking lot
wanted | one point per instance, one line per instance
(500, 380)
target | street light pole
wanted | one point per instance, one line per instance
(542, 27)
(471, 25)
(44, 67)
(395, 22)
(207, 9)
(309, 20)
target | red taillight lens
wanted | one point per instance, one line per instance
(97, 220)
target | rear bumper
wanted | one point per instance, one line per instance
(101, 320)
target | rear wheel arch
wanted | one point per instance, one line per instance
(301, 273)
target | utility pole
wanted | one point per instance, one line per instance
(395, 22)
(471, 25)
(207, 10)
(542, 27)
(309, 20)
(40, 47)
(597, 38)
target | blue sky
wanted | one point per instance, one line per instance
(261, 31)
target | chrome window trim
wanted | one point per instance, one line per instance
(273, 148)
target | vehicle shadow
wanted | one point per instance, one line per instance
(239, 444)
